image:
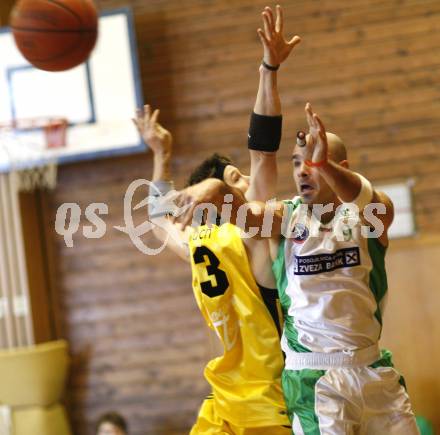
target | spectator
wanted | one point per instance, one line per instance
(111, 423)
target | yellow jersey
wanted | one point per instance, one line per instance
(246, 378)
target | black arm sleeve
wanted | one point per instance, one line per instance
(265, 132)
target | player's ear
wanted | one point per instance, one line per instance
(231, 175)
(344, 163)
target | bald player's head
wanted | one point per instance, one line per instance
(336, 148)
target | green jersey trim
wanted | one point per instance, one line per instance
(279, 270)
(299, 393)
(378, 277)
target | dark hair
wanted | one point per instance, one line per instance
(212, 167)
(115, 419)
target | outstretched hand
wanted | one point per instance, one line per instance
(276, 47)
(188, 199)
(154, 135)
(317, 145)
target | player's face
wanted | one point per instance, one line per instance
(234, 178)
(310, 185)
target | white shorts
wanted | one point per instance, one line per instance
(369, 400)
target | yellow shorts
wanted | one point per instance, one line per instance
(210, 423)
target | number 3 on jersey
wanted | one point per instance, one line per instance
(212, 267)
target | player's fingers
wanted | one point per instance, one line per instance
(266, 24)
(178, 200)
(183, 210)
(139, 114)
(319, 123)
(309, 115)
(310, 140)
(187, 217)
(187, 207)
(279, 26)
(147, 110)
(139, 119)
(154, 117)
(262, 36)
(269, 12)
(176, 217)
(135, 122)
(323, 136)
(294, 41)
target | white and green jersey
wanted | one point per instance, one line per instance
(331, 287)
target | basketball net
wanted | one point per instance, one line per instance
(27, 160)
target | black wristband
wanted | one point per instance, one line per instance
(270, 67)
(265, 132)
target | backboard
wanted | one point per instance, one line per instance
(98, 98)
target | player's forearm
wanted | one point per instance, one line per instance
(263, 177)
(345, 183)
(265, 138)
(267, 217)
(161, 185)
(268, 100)
(173, 237)
(262, 220)
(162, 166)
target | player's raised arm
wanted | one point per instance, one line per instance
(160, 142)
(349, 186)
(266, 120)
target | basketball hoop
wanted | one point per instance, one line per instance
(23, 150)
(55, 132)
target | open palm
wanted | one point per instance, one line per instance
(276, 47)
(157, 137)
(317, 146)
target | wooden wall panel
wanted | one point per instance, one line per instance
(44, 307)
(371, 69)
(411, 325)
(5, 8)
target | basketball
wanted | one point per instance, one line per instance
(55, 35)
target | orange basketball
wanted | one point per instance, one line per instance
(55, 35)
